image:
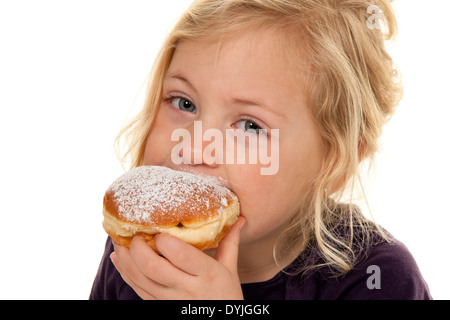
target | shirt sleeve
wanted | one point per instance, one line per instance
(389, 273)
(108, 284)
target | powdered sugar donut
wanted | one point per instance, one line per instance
(148, 200)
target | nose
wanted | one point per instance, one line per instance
(202, 145)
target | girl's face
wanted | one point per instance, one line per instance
(246, 84)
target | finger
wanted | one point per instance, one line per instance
(139, 291)
(182, 255)
(152, 265)
(132, 275)
(228, 250)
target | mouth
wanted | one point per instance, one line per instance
(230, 185)
(221, 181)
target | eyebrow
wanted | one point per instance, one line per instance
(239, 101)
(260, 104)
(181, 78)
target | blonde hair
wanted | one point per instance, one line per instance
(353, 90)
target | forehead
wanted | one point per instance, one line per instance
(256, 48)
(256, 59)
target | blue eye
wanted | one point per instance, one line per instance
(248, 126)
(184, 105)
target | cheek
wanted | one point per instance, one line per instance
(154, 153)
(270, 202)
(265, 202)
(158, 145)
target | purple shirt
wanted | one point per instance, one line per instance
(389, 271)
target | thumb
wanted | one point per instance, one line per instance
(228, 249)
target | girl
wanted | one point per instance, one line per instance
(318, 72)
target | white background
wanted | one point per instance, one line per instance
(71, 72)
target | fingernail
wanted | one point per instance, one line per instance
(242, 223)
(113, 257)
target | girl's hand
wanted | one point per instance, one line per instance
(184, 272)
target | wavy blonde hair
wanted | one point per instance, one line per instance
(354, 88)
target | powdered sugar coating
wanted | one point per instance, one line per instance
(156, 194)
